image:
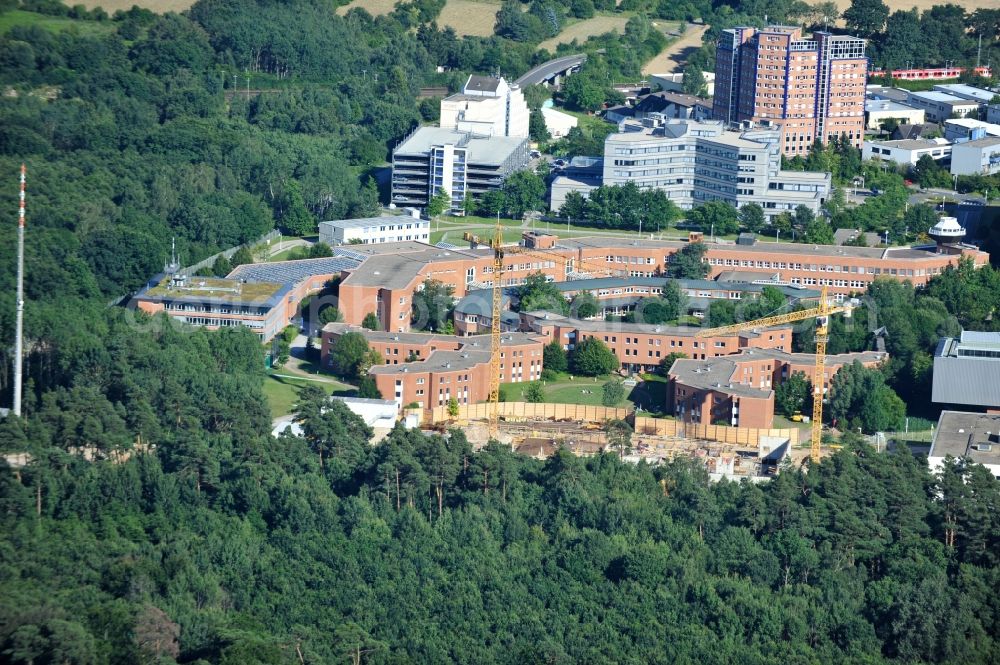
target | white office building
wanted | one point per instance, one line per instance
(979, 157)
(374, 230)
(969, 92)
(939, 106)
(878, 111)
(957, 130)
(432, 159)
(697, 162)
(487, 106)
(906, 151)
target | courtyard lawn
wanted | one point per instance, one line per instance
(587, 390)
(282, 390)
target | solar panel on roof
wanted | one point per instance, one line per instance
(349, 253)
(289, 272)
(446, 245)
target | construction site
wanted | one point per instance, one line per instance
(540, 430)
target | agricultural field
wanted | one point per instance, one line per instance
(905, 5)
(581, 30)
(465, 17)
(373, 7)
(673, 57)
(158, 6)
(470, 17)
(17, 17)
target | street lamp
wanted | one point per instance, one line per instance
(954, 182)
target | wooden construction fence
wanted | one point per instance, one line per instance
(743, 436)
(513, 412)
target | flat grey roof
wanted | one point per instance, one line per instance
(968, 380)
(396, 271)
(819, 251)
(291, 272)
(887, 105)
(911, 144)
(373, 221)
(492, 150)
(586, 325)
(980, 143)
(960, 434)
(980, 94)
(941, 97)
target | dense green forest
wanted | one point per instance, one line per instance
(220, 544)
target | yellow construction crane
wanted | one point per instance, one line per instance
(499, 251)
(822, 315)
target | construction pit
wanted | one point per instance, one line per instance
(541, 438)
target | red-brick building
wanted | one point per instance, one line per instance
(444, 366)
(640, 347)
(739, 389)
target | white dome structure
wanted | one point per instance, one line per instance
(946, 231)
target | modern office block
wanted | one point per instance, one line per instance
(697, 162)
(810, 88)
(463, 164)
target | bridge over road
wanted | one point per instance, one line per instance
(552, 71)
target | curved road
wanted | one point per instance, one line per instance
(547, 70)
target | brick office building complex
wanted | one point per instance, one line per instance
(811, 88)
(739, 389)
(446, 366)
(640, 347)
(390, 274)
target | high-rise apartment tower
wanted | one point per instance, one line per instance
(811, 88)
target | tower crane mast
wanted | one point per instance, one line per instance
(822, 314)
(499, 252)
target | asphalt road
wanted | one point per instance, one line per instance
(550, 68)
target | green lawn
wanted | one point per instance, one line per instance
(18, 17)
(283, 391)
(650, 394)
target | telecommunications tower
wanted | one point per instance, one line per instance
(19, 332)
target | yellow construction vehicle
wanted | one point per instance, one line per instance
(822, 314)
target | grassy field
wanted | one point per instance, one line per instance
(581, 30)
(673, 57)
(17, 17)
(282, 391)
(470, 17)
(649, 395)
(465, 17)
(373, 7)
(906, 5)
(158, 6)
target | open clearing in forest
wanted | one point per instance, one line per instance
(470, 17)
(158, 6)
(581, 30)
(906, 5)
(469, 14)
(18, 17)
(465, 17)
(373, 7)
(672, 58)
